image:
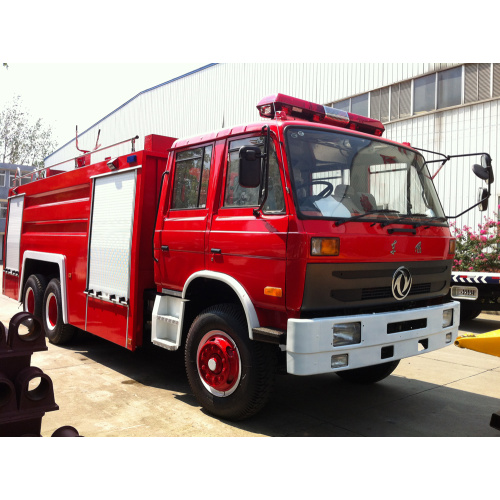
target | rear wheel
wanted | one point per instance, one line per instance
(230, 375)
(33, 292)
(52, 318)
(369, 374)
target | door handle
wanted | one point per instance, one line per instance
(216, 250)
(164, 248)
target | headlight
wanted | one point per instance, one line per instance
(346, 334)
(447, 318)
(340, 360)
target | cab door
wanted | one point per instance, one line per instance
(248, 247)
(184, 227)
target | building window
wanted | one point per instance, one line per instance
(343, 105)
(405, 99)
(468, 83)
(2, 178)
(394, 102)
(375, 104)
(496, 80)
(359, 105)
(384, 104)
(424, 94)
(3, 209)
(477, 82)
(449, 89)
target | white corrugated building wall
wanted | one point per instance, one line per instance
(451, 108)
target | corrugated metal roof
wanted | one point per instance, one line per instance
(132, 99)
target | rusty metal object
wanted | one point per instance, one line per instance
(66, 431)
(26, 392)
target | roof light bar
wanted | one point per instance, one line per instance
(294, 108)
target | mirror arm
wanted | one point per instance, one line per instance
(265, 156)
(469, 209)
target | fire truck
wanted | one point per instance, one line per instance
(304, 241)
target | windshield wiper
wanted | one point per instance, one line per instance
(404, 219)
(360, 216)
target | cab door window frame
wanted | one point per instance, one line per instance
(232, 187)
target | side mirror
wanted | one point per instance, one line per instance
(486, 163)
(481, 172)
(250, 166)
(482, 199)
(484, 171)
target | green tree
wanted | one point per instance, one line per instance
(23, 140)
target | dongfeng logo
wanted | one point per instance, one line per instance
(401, 283)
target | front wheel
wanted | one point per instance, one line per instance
(469, 310)
(230, 375)
(52, 319)
(369, 374)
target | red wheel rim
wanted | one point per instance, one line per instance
(219, 363)
(51, 309)
(29, 301)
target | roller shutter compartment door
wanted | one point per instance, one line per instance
(12, 251)
(111, 234)
(110, 250)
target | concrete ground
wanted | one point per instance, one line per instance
(104, 390)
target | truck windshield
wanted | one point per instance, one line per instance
(342, 176)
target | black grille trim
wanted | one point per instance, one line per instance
(386, 292)
(405, 326)
(332, 287)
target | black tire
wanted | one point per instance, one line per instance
(469, 310)
(56, 331)
(369, 374)
(33, 293)
(244, 391)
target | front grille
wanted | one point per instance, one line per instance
(360, 285)
(385, 292)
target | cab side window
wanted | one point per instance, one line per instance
(192, 173)
(238, 196)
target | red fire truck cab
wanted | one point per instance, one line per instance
(305, 238)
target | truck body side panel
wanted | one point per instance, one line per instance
(57, 220)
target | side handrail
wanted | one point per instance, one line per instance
(36, 173)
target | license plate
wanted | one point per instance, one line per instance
(464, 292)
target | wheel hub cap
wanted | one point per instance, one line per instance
(30, 301)
(218, 363)
(52, 311)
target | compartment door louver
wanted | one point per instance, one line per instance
(111, 234)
